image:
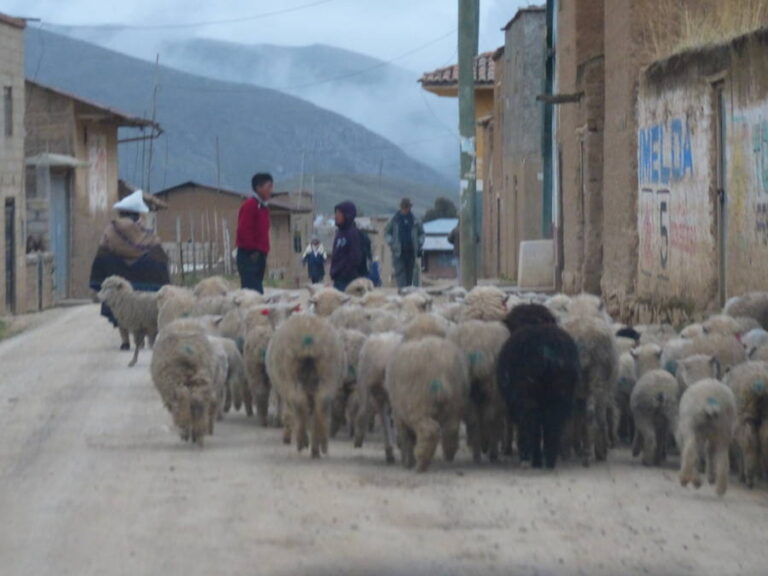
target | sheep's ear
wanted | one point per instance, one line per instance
(716, 368)
(217, 320)
(751, 353)
(346, 298)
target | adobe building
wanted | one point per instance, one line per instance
(12, 261)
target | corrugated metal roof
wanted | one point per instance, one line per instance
(442, 226)
(522, 11)
(277, 204)
(11, 21)
(485, 69)
(437, 244)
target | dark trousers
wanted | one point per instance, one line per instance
(251, 266)
(404, 268)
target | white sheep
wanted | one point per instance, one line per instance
(213, 286)
(759, 354)
(236, 390)
(486, 303)
(654, 405)
(749, 383)
(426, 324)
(325, 301)
(696, 368)
(754, 339)
(375, 355)
(656, 334)
(306, 363)
(255, 355)
(481, 343)
(182, 369)
(751, 305)
(625, 385)
(359, 287)
(428, 387)
(135, 312)
(353, 341)
(705, 426)
(558, 305)
(674, 351)
(352, 317)
(647, 357)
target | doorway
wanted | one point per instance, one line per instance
(60, 232)
(10, 255)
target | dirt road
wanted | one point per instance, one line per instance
(94, 481)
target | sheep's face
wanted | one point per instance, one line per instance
(111, 286)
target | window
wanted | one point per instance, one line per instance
(8, 109)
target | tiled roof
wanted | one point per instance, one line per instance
(11, 21)
(278, 204)
(484, 73)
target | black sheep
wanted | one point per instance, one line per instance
(538, 371)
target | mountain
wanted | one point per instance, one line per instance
(257, 128)
(381, 96)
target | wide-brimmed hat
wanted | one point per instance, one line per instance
(133, 203)
(406, 203)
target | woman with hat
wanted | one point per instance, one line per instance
(132, 251)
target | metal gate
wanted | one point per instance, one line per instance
(10, 255)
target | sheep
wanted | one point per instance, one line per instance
(558, 305)
(746, 324)
(376, 354)
(759, 354)
(588, 305)
(135, 312)
(359, 287)
(696, 368)
(456, 294)
(232, 387)
(210, 287)
(353, 341)
(753, 339)
(451, 312)
(751, 305)
(624, 345)
(595, 393)
(674, 351)
(486, 303)
(481, 343)
(749, 383)
(512, 302)
(325, 301)
(705, 426)
(428, 386)
(654, 405)
(375, 299)
(727, 349)
(351, 317)
(426, 325)
(722, 324)
(692, 331)
(656, 334)
(538, 371)
(306, 364)
(416, 302)
(625, 385)
(383, 321)
(173, 303)
(647, 357)
(182, 371)
(255, 353)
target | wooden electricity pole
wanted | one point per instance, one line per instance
(468, 39)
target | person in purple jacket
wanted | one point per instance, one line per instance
(347, 247)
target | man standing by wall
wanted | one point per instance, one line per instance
(253, 234)
(405, 236)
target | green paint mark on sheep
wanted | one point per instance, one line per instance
(435, 386)
(671, 367)
(758, 387)
(308, 341)
(263, 354)
(712, 402)
(352, 372)
(475, 358)
(188, 350)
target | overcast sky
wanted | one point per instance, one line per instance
(381, 28)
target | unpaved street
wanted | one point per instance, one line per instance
(94, 481)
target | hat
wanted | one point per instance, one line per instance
(406, 203)
(133, 203)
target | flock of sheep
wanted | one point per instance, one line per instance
(548, 376)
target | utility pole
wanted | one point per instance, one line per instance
(154, 112)
(468, 39)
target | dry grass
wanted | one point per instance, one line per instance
(675, 26)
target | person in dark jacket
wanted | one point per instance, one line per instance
(315, 257)
(405, 236)
(347, 258)
(253, 224)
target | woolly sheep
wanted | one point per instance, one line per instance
(383, 321)
(751, 305)
(749, 383)
(558, 305)
(428, 388)
(696, 368)
(692, 331)
(753, 339)
(451, 312)
(538, 371)
(210, 287)
(656, 334)
(325, 301)
(647, 357)
(375, 299)
(173, 303)
(595, 392)
(625, 385)
(182, 372)
(135, 312)
(759, 354)
(359, 287)
(426, 325)
(727, 349)
(456, 294)
(722, 324)
(306, 364)
(481, 343)
(486, 303)
(236, 390)
(706, 424)
(353, 341)
(351, 317)
(254, 354)
(588, 305)
(674, 351)
(416, 302)
(375, 355)
(654, 405)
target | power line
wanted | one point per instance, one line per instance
(196, 24)
(324, 80)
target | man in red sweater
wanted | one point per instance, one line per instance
(253, 234)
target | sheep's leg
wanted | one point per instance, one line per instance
(711, 471)
(389, 433)
(474, 432)
(602, 433)
(319, 430)
(647, 431)
(339, 409)
(427, 437)
(138, 342)
(361, 422)
(689, 469)
(763, 437)
(450, 439)
(301, 415)
(553, 421)
(721, 468)
(637, 442)
(509, 434)
(491, 426)
(262, 405)
(590, 429)
(749, 450)
(406, 438)
(125, 340)
(228, 399)
(247, 399)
